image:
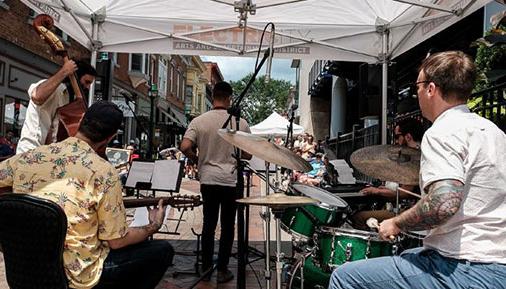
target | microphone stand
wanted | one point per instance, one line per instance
(289, 132)
(235, 111)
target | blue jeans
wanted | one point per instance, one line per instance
(139, 266)
(418, 268)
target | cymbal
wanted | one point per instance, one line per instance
(265, 150)
(398, 164)
(278, 200)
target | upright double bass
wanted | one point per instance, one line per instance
(70, 114)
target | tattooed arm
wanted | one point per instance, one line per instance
(442, 201)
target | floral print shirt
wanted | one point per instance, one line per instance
(87, 187)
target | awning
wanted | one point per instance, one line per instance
(180, 116)
(172, 119)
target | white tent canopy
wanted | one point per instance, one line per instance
(347, 30)
(275, 125)
(373, 31)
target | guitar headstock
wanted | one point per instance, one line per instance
(186, 201)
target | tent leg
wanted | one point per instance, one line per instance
(384, 89)
(94, 52)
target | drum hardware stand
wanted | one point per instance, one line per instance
(267, 231)
(259, 255)
(278, 213)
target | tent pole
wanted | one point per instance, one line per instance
(384, 86)
(93, 61)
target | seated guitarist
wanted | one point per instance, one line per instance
(101, 251)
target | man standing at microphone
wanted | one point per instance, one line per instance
(216, 168)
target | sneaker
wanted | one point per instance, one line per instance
(224, 276)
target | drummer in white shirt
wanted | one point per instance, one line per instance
(463, 178)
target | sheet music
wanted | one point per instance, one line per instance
(165, 175)
(139, 172)
(345, 173)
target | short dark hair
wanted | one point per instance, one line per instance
(83, 68)
(454, 72)
(222, 90)
(413, 127)
(101, 120)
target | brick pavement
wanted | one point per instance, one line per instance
(185, 244)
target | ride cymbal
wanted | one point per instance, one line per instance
(265, 150)
(388, 163)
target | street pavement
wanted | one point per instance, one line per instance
(185, 245)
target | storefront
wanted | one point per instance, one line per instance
(18, 70)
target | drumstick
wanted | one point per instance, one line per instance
(373, 224)
(395, 187)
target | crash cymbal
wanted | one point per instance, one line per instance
(388, 163)
(278, 200)
(265, 150)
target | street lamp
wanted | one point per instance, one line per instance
(152, 93)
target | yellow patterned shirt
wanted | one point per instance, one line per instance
(87, 187)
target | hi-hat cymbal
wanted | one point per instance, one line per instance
(278, 200)
(265, 150)
(388, 163)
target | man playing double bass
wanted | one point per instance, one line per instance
(46, 96)
(100, 250)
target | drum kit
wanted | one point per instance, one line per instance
(316, 218)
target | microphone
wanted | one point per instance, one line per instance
(126, 96)
(294, 107)
(271, 53)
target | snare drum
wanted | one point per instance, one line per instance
(301, 221)
(336, 246)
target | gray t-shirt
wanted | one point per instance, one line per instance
(216, 163)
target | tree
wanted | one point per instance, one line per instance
(262, 98)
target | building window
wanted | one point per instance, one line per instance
(174, 81)
(188, 100)
(15, 112)
(162, 77)
(137, 62)
(182, 83)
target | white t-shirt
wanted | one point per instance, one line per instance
(216, 163)
(463, 146)
(40, 118)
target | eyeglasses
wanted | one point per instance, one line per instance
(419, 82)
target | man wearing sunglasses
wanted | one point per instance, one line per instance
(463, 178)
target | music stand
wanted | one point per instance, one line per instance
(159, 175)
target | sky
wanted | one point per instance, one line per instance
(235, 68)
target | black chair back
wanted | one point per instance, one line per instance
(32, 236)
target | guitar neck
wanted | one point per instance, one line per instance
(172, 201)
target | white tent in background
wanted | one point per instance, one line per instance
(275, 125)
(372, 31)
